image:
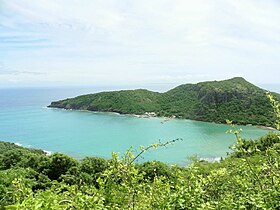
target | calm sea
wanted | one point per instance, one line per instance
(24, 119)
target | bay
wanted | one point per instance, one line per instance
(24, 119)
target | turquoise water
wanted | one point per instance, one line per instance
(24, 119)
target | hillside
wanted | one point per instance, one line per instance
(215, 101)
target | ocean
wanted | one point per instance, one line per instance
(25, 120)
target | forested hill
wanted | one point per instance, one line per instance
(215, 101)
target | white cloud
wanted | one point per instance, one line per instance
(127, 41)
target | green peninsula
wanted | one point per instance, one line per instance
(215, 101)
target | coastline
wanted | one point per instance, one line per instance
(165, 119)
(266, 127)
(46, 152)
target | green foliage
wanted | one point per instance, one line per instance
(93, 165)
(215, 101)
(92, 168)
(124, 102)
(276, 106)
(155, 169)
(12, 155)
(60, 164)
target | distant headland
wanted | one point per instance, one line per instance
(212, 101)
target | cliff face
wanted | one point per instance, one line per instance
(235, 99)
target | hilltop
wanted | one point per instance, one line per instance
(213, 101)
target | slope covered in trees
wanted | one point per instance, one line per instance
(235, 99)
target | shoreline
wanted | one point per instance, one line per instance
(266, 127)
(165, 119)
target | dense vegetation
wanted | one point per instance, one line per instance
(234, 99)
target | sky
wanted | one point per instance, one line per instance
(124, 42)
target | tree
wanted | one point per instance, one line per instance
(59, 165)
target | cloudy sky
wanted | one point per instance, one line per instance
(123, 42)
